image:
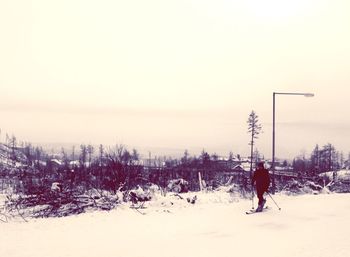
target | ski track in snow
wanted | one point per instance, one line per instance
(308, 225)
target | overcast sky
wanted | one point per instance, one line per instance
(176, 74)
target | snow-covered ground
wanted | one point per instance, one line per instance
(307, 225)
(340, 174)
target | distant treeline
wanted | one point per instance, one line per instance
(30, 169)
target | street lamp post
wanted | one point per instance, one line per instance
(273, 132)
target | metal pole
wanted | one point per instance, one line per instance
(251, 167)
(279, 208)
(273, 144)
(273, 132)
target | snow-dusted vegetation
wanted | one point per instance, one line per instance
(38, 184)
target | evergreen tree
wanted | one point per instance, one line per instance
(254, 128)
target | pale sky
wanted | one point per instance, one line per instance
(176, 74)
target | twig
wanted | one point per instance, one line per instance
(6, 218)
(137, 209)
(20, 214)
(179, 196)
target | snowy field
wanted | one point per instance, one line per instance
(308, 225)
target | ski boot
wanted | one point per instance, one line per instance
(259, 209)
(261, 206)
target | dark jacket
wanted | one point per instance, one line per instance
(262, 179)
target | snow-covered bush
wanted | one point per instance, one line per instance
(138, 194)
(297, 187)
(312, 185)
(235, 191)
(339, 187)
(56, 187)
(178, 186)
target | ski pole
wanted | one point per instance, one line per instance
(253, 197)
(252, 184)
(279, 208)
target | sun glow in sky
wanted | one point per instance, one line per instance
(175, 74)
(281, 11)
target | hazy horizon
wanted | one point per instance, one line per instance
(176, 74)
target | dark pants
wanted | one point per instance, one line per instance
(260, 193)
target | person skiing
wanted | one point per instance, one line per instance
(261, 178)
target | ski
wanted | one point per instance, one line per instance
(254, 211)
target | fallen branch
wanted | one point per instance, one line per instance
(56, 204)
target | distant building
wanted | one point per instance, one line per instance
(240, 168)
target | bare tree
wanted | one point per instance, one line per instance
(7, 140)
(90, 151)
(230, 156)
(13, 143)
(101, 150)
(126, 157)
(83, 155)
(38, 155)
(185, 158)
(29, 153)
(73, 157)
(135, 156)
(65, 158)
(341, 159)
